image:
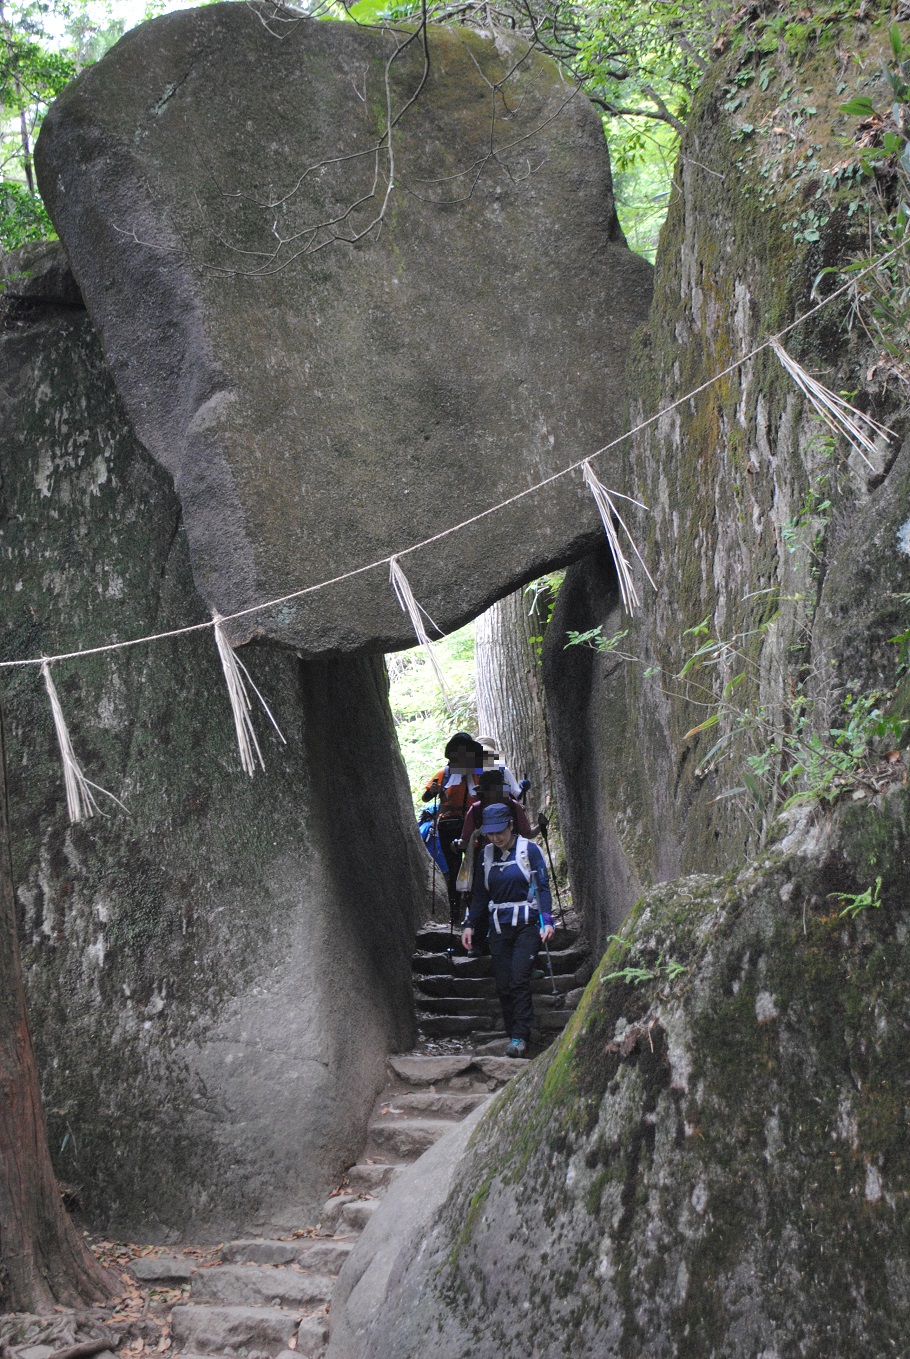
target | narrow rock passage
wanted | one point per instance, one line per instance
(270, 1299)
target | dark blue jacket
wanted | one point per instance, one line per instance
(507, 884)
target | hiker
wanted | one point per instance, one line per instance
(490, 789)
(455, 787)
(491, 761)
(511, 901)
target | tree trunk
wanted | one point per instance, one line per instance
(510, 694)
(43, 1259)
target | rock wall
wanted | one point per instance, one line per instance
(713, 1159)
(217, 974)
(781, 542)
(712, 1164)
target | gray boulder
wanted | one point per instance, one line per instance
(323, 391)
(215, 977)
(711, 1164)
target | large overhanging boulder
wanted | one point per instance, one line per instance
(338, 349)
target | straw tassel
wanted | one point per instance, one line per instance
(80, 801)
(608, 511)
(409, 605)
(234, 672)
(840, 417)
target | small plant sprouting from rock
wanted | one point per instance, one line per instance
(663, 970)
(810, 749)
(854, 905)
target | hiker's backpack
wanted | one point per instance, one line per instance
(522, 858)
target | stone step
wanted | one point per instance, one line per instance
(418, 1069)
(201, 1328)
(312, 1337)
(356, 1215)
(454, 1026)
(325, 1257)
(444, 984)
(163, 1269)
(502, 1069)
(262, 1286)
(370, 1178)
(435, 937)
(485, 987)
(332, 1209)
(406, 1139)
(259, 1251)
(458, 1005)
(544, 999)
(443, 1103)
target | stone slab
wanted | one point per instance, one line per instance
(261, 1285)
(327, 1257)
(312, 1334)
(173, 1269)
(420, 1070)
(319, 406)
(501, 1068)
(205, 1329)
(407, 1138)
(259, 1251)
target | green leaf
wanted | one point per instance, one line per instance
(860, 107)
(897, 42)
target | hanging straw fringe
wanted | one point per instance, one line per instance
(838, 414)
(409, 605)
(234, 671)
(608, 512)
(80, 801)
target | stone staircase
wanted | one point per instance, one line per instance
(456, 996)
(269, 1299)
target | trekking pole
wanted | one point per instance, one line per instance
(546, 946)
(435, 838)
(542, 824)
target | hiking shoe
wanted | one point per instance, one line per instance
(517, 1048)
(537, 973)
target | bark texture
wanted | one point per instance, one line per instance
(43, 1260)
(509, 691)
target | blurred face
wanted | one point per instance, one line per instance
(462, 760)
(492, 793)
(503, 839)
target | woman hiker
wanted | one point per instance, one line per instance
(511, 899)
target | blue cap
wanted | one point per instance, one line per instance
(496, 817)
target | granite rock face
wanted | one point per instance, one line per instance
(710, 1163)
(214, 978)
(762, 530)
(335, 349)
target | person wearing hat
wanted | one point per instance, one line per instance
(455, 787)
(490, 747)
(511, 899)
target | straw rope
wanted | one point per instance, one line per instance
(483, 514)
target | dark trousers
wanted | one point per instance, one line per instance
(449, 829)
(513, 952)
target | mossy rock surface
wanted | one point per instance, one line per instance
(214, 979)
(340, 349)
(806, 597)
(711, 1163)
